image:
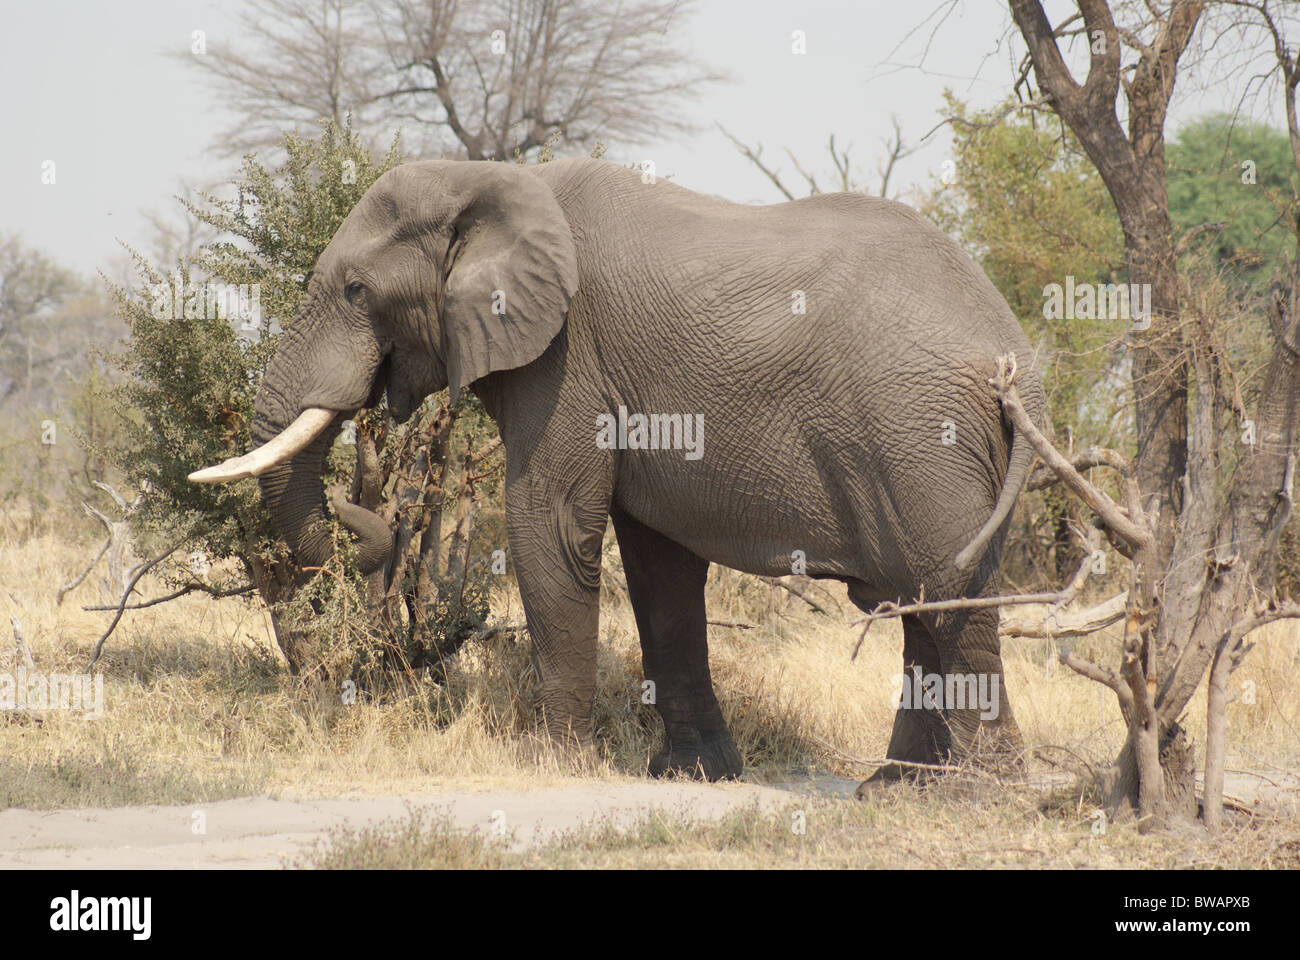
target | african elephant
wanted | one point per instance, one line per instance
(828, 359)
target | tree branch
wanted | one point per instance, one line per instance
(752, 157)
(121, 607)
(189, 588)
(1137, 536)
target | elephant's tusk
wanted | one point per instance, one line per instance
(276, 450)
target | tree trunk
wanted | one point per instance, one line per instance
(278, 583)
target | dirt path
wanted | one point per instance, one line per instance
(260, 832)
(263, 832)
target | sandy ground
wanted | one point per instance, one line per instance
(267, 832)
(261, 832)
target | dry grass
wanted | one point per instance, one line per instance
(198, 706)
(942, 826)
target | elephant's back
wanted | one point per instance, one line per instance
(823, 289)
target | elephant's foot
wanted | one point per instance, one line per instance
(925, 740)
(885, 776)
(567, 755)
(995, 747)
(710, 759)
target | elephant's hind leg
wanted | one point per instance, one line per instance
(666, 584)
(967, 717)
(981, 722)
(919, 735)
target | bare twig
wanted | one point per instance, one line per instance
(73, 584)
(22, 652)
(798, 592)
(121, 607)
(211, 591)
(752, 155)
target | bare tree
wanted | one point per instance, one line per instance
(294, 62)
(1132, 165)
(844, 179)
(490, 79)
(1204, 501)
(508, 76)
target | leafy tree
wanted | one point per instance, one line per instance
(1238, 173)
(201, 336)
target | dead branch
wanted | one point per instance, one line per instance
(813, 189)
(117, 545)
(73, 584)
(126, 593)
(841, 162)
(1058, 600)
(753, 157)
(22, 653)
(499, 629)
(1092, 772)
(436, 465)
(886, 761)
(889, 609)
(1191, 233)
(458, 549)
(798, 592)
(211, 591)
(1103, 675)
(1137, 536)
(1076, 624)
(1092, 457)
(898, 150)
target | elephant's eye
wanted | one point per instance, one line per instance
(353, 292)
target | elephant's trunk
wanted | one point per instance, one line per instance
(315, 377)
(295, 497)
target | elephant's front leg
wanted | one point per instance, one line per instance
(666, 584)
(555, 540)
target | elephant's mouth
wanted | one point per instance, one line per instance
(399, 380)
(381, 382)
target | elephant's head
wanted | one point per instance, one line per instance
(444, 272)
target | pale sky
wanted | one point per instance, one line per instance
(89, 86)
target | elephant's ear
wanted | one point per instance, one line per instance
(512, 273)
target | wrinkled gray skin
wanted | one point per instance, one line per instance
(823, 431)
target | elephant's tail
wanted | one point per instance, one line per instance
(1022, 455)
